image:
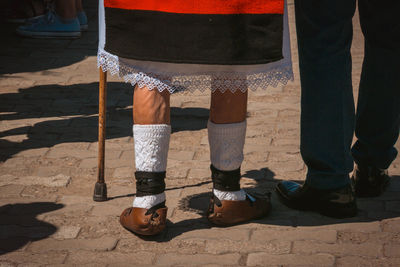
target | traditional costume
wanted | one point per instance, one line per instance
(192, 45)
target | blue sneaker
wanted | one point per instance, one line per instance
(51, 26)
(83, 21)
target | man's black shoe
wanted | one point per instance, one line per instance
(337, 203)
(369, 181)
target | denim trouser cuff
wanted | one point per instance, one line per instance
(327, 181)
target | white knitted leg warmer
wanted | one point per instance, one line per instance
(151, 153)
(226, 152)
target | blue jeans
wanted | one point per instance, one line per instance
(328, 117)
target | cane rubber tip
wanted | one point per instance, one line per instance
(100, 192)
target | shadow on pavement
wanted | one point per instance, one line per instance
(57, 114)
(19, 224)
(167, 189)
(369, 209)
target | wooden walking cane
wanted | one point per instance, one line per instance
(100, 188)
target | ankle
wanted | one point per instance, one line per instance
(147, 202)
(230, 195)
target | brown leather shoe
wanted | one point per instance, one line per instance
(229, 212)
(145, 221)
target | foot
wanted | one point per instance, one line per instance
(337, 203)
(231, 212)
(145, 221)
(51, 26)
(369, 181)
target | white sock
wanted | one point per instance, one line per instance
(151, 153)
(151, 147)
(147, 202)
(226, 152)
(230, 195)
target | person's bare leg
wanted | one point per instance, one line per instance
(226, 134)
(151, 131)
(66, 8)
(228, 107)
(151, 106)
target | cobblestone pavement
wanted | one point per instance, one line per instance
(48, 150)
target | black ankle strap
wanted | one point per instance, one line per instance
(225, 180)
(149, 183)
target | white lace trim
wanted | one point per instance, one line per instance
(151, 147)
(177, 77)
(226, 144)
(164, 80)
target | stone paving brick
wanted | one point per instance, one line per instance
(75, 210)
(122, 145)
(133, 258)
(123, 191)
(177, 172)
(112, 154)
(70, 153)
(106, 210)
(180, 155)
(353, 237)
(6, 264)
(75, 199)
(123, 172)
(285, 142)
(72, 145)
(66, 232)
(328, 236)
(59, 180)
(201, 155)
(46, 171)
(30, 259)
(312, 247)
(116, 163)
(89, 163)
(100, 244)
(384, 237)
(229, 246)
(38, 152)
(204, 140)
(184, 246)
(199, 173)
(265, 259)
(391, 225)
(358, 261)
(173, 259)
(391, 250)
(9, 191)
(216, 234)
(365, 227)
